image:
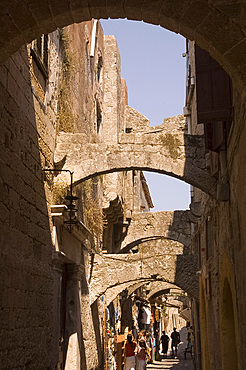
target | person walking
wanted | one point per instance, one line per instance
(164, 342)
(175, 342)
(129, 353)
(141, 355)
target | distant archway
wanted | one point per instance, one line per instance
(155, 288)
(158, 288)
(158, 262)
(144, 226)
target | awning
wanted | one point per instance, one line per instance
(186, 314)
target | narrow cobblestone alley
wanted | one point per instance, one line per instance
(101, 264)
(175, 363)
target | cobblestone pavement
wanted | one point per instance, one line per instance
(171, 364)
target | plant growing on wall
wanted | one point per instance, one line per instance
(66, 119)
(60, 189)
(93, 214)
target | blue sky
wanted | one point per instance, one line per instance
(154, 70)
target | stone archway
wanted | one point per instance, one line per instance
(209, 23)
(228, 318)
(113, 292)
(174, 225)
(157, 288)
(163, 261)
(228, 335)
(179, 155)
(153, 287)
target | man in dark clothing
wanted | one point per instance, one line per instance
(164, 342)
(175, 341)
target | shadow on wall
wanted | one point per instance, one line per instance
(73, 346)
(185, 274)
(228, 333)
(26, 245)
(96, 325)
(186, 263)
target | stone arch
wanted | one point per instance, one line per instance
(209, 23)
(158, 288)
(204, 329)
(173, 225)
(157, 263)
(155, 286)
(113, 292)
(228, 318)
(178, 155)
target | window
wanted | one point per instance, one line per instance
(99, 66)
(39, 66)
(40, 52)
(98, 117)
(214, 100)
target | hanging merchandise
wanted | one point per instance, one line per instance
(152, 320)
(157, 315)
(146, 315)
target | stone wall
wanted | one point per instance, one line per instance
(227, 233)
(33, 264)
(27, 144)
(46, 270)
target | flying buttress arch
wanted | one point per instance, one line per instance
(179, 155)
(153, 287)
(144, 226)
(163, 261)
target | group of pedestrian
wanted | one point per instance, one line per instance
(175, 336)
(136, 354)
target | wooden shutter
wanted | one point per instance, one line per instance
(214, 89)
(214, 99)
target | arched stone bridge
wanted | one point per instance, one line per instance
(159, 260)
(154, 288)
(209, 23)
(113, 292)
(173, 225)
(178, 155)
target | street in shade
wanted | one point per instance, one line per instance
(171, 363)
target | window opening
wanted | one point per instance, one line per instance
(99, 117)
(39, 66)
(99, 65)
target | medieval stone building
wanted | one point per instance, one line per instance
(63, 86)
(211, 112)
(57, 113)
